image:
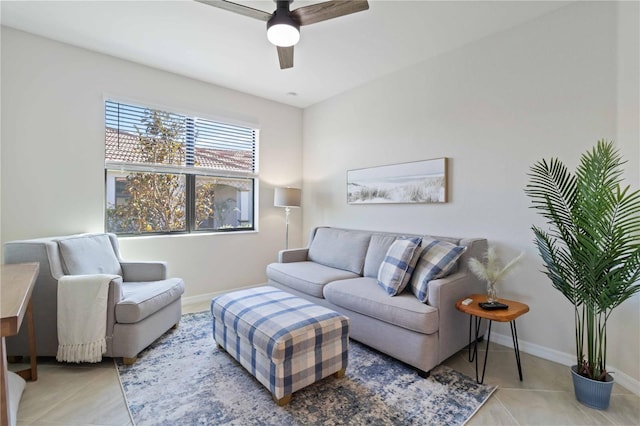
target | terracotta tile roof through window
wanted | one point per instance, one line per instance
(123, 147)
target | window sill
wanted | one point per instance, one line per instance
(187, 235)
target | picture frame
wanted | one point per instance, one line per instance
(404, 183)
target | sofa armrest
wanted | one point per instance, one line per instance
(293, 255)
(144, 271)
(445, 292)
(453, 330)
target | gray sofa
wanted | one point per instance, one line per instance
(339, 270)
(142, 302)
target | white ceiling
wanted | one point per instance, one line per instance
(230, 50)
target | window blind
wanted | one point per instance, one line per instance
(143, 139)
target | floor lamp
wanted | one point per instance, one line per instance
(287, 198)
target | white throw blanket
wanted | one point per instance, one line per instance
(82, 317)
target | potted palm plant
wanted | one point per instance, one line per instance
(591, 252)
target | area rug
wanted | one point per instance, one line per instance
(184, 379)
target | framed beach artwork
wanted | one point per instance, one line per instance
(416, 182)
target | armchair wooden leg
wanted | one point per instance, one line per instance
(129, 361)
(282, 401)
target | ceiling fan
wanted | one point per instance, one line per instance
(283, 25)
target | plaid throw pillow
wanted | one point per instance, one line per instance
(397, 266)
(436, 260)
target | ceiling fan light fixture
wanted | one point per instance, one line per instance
(282, 30)
(283, 25)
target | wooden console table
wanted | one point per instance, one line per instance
(16, 286)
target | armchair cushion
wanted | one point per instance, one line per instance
(141, 299)
(89, 254)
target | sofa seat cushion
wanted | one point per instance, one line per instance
(142, 299)
(364, 296)
(306, 277)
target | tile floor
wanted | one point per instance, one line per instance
(91, 395)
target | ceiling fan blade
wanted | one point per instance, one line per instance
(285, 56)
(238, 8)
(327, 10)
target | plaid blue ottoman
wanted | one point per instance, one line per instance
(284, 341)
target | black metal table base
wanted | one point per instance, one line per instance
(473, 355)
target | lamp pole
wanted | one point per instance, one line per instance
(287, 212)
(287, 198)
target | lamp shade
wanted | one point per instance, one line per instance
(287, 197)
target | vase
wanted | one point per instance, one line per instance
(592, 393)
(492, 292)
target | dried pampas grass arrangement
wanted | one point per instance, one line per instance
(492, 271)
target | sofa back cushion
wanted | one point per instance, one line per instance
(340, 248)
(378, 247)
(89, 254)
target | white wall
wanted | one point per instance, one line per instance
(53, 156)
(548, 88)
(625, 331)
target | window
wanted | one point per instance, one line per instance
(168, 172)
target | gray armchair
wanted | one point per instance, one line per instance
(142, 302)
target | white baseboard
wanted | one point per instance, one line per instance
(202, 298)
(563, 358)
